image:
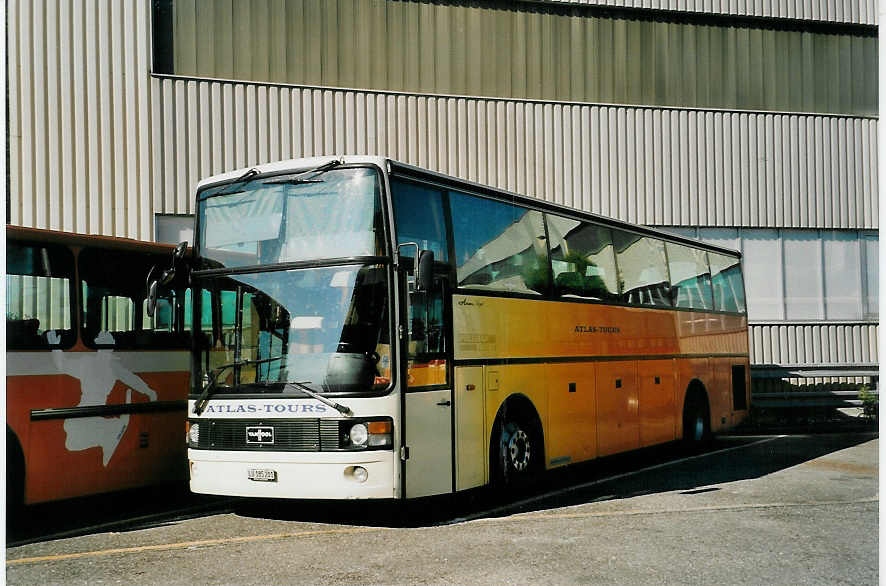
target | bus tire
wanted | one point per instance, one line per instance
(696, 418)
(517, 450)
(15, 479)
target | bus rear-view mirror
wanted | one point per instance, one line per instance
(152, 295)
(167, 277)
(422, 266)
(424, 272)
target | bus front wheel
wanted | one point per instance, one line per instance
(517, 452)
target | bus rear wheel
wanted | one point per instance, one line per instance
(15, 481)
(696, 421)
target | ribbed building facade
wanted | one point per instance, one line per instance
(747, 123)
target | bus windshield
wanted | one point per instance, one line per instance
(326, 328)
(290, 218)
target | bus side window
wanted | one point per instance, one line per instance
(163, 319)
(205, 324)
(727, 283)
(690, 277)
(499, 246)
(117, 314)
(38, 296)
(582, 259)
(642, 269)
(419, 218)
(114, 312)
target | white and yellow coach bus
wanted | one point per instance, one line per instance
(371, 329)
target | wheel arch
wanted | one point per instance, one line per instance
(696, 393)
(15, 466)
(696, 390)
(520, 406)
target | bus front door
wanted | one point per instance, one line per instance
(428, 395)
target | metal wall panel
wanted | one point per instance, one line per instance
(98, 146)
(841, 343)
(849, 11)
(79, 116)
(501, 50)
(645, 165)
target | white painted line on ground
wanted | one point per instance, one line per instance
(708, 509)
(190, 544)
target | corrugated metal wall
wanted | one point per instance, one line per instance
(849, 11)
(814, 343)
(512, 51)
(80, 116)
(98, 146)
(645, 165)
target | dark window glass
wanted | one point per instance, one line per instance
(419, 215)
(418, 212)
(114, 313)
(739, 388)
(642, 269)
(690, 277)
(727, 283)
(427, 336)
(582, 259)
(498, 246)
(205, 310)
(38, 296)
(162, 30)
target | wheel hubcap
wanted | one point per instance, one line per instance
(519, 450)
(699, 428)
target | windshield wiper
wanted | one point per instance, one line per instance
(300, 178)
(303, 387)
(203, 399)
(240, 182)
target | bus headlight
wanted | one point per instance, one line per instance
(359, 434)
(367, 434)
(194, 434)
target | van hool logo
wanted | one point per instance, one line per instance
(259, 435)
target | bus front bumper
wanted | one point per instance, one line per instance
(296, 475)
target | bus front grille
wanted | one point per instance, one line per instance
(289, 435)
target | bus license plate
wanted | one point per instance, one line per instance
(262, 475)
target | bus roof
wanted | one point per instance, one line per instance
(407, 170)
(75, 239)
(293, 165)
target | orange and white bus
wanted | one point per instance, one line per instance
(383, 331)
(95, 389)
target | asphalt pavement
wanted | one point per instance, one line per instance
(767, 509)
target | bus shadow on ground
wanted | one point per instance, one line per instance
(116, 511)
(660, 469)
(670, 469)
